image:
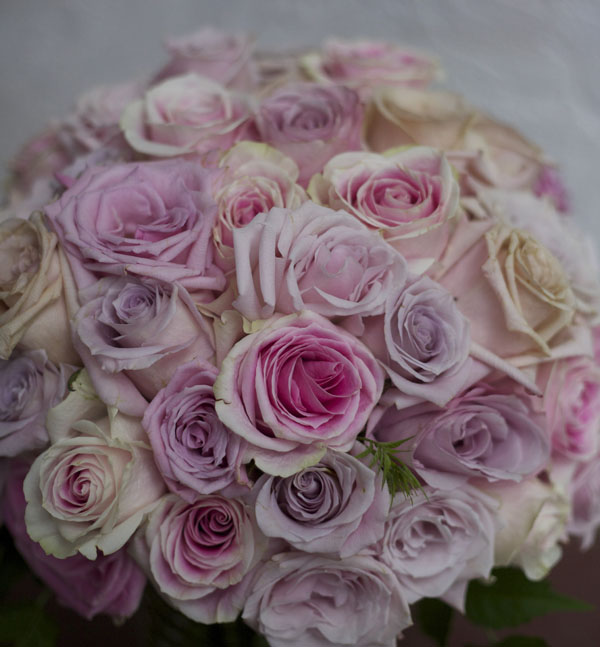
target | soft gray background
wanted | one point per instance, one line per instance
(532, 63)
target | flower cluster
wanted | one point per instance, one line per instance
(242, 284)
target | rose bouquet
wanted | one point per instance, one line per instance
(299, 339)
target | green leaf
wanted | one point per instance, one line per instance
(519, 641)
(510, 599)
(396, 475)
(12, 566)
(434, 618)
(27, 625)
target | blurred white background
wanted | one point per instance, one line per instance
(532, 63)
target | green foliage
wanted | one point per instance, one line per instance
(396, 475)
(519, 641)
(434, 617)
(510, 599)
(27, 625)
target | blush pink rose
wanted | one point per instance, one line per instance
(337, 506)
(296, 387)
(141, 329)
(186, 114)
(200, 555)
(310, 123)
(410, 196)
(222, 57)
(571, 389)
(150, 219)
(110, 584)
(314, 259)
(584, 487)
(303, 599)
(193, 449)
(364, 65)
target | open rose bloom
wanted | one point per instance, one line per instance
(226, 291)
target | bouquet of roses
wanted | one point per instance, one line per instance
(296, 338)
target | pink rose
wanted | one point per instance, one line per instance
(110, 584)
(337, 506)
(139, 327)
(410, 196)
(185, 114)
(585, 503)
(315, 259)
(194, 451)
(296, 387)
(571, 389)
(29, 386)
(149, 219)
(91, 488)
(364, 65)
(225, 58)
(303, 599)
(549, 183)
(200, 555)
(310, 123)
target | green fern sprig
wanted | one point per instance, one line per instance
(396, 474)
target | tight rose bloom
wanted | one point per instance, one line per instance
(422, 341)
(294, 388)
(316, 259)
(439, 541)
(110, 584)
(32, 308)
(405, 195)
(142, 327)
(198, 555)
(255, 179)
(222, 57)
(91, 488)
(337, 506)
(150, 219)
(310, 123)
(303, 599)
(491, 433)
(514, 292)
(29, 386)
(364, 65)
(584, 487)
(186, 114)
(571, 390)
(533, 517)
(193, 449)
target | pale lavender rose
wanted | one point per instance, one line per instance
(255, 179)
(29, 386)
(584, 490)
(200, 555)
(571, 389)
(209, 52)
(149, 219)
(438, 541)
(550, 183)
(316, 259)
(312, 600)
(489, 432)
(91, 488)
(186, 114)
(422, 341)
(110, 584)
(140, 327)
(311, 123)
(337, 506)
(193, 449)
(410, 196)
(296, 387)
(364, 65)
